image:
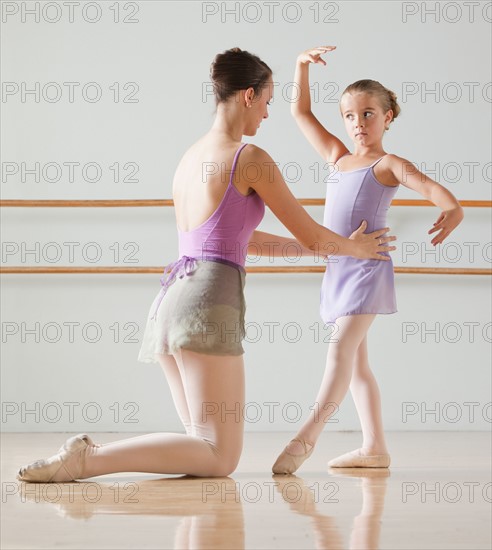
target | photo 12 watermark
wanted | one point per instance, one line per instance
(70, 332)
(450, 412)
(270, 12)
(467, 171)
(253, 172)
(68, 11)
(446, 92)
(270, 492)
(69, 92)
(446, 12)
(290, 92)
(468, 492)
(69, 171)
(271, 411)
(89, 492)
(69, 252)
(53, 412)
(446, 253)
(450, 332)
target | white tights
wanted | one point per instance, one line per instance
(208, 392)
(347, 366)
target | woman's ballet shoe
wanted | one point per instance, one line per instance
(354, 459)
(56, 468)
(287, 463)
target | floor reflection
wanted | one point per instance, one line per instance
(211, 510)
(366, 526)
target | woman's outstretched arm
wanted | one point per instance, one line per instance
(268, 244)
(272, 188)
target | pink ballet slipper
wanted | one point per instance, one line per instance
(288, 463)
(354, 459)
(57, 467)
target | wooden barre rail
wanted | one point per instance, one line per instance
(252, 269)
(169, 202)
(249, 269)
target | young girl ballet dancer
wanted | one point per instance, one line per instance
(354, 291)
(196, 322)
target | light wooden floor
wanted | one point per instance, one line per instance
(436, 495)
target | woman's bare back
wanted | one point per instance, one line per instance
(201, 179)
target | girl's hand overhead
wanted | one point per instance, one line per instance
(314, 55)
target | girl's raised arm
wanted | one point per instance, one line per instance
(328, 146)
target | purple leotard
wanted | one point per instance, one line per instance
(223, 237)
(351, 286)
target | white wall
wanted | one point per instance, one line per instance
(167, 53)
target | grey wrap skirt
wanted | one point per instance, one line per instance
(201, 310)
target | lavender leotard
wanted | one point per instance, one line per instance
(225, 235)
(202, 292)
(351, 286)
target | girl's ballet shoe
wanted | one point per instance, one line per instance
(55, 468)
(369, 473)
(354, 459)
(287, 463)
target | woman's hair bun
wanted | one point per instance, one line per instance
(237, 69)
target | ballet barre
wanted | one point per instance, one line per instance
(169, 202)
(249, 269)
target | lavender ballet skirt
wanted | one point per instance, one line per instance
(200, 307)
(352, 286)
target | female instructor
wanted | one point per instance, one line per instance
(196, 322)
